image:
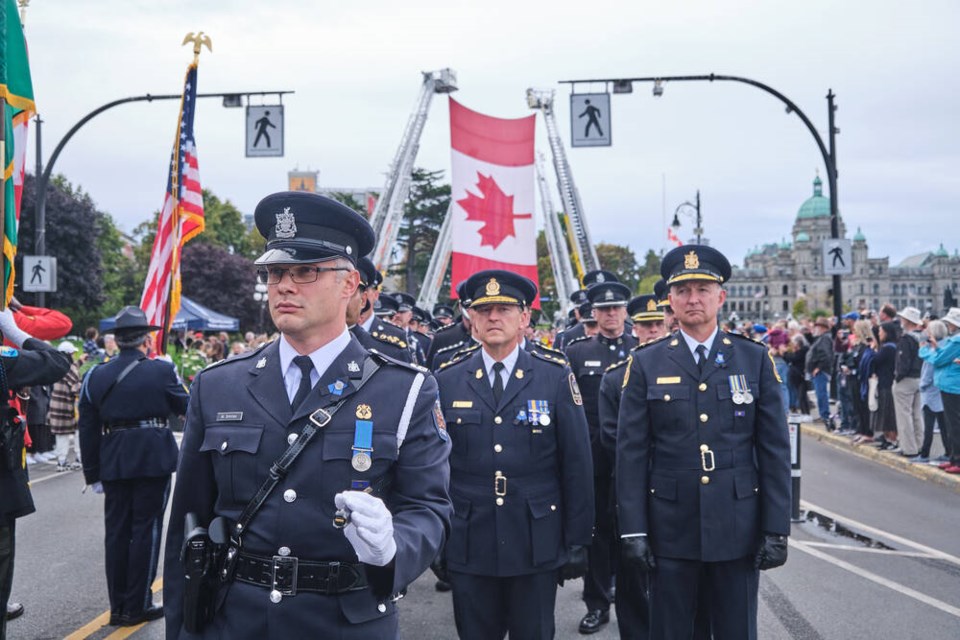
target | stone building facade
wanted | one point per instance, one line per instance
(775, 276)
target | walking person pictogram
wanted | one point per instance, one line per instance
(593, 115)
(262, 124)
(37, 273)
(837, 253)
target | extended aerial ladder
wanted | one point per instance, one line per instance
(585, 255)
(563, 275)
(433, 279)
(387, 216)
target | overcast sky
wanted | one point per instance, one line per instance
(355, 69)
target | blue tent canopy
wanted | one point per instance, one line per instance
(192, 316)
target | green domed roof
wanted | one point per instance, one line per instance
(803, 237)
(859, 237)
(784, 244)
(941, 252)
(816, 205)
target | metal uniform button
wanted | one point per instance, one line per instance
(499, 502)
(553, 507)
(275, 596)
(666, 397)
(703, 386)
(497, 448)
(292, 438)
(705, 480)
(497, 420)
(704, 417)
(223, 447)
(283, 551)
(382, 608)
(289, 495)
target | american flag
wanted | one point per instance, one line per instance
(180, 220)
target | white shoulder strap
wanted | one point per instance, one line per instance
(408, 409)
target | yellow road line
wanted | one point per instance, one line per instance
(101, 620)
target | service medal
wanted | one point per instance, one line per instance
(748, 398)
(361, 461)
(544, 420)
(738, 398)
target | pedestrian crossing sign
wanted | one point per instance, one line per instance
(590, 120)
(39, 274)
(264, 131)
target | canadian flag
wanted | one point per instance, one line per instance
(492, 191)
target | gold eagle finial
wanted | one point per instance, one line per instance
(198, 39)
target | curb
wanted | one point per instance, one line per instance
(922, 471)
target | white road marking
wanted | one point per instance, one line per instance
(880, 533)
(890, 584)
(847, 547)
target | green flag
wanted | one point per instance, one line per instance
(16, 90)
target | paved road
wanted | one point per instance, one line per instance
(883, 561)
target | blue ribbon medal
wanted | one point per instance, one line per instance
(362, 445)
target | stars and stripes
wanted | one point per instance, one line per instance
(180, 219)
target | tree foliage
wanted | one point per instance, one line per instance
(220, 280)
(622, 261)
(423, 215)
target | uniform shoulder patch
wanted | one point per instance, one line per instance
(8, 352)
(546, 357)
(439, 422)
(575, 390)
(385, 359)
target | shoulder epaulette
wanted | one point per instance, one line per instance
(617, 365)
(383, 336)
(551, 350)
(743, 337)
(460, 356)
(546, 357)
(237, 358)
(456, 345)
(385, 359)
(447, 327)
(576, 340)
(650, 342)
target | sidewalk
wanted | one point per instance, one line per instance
(923, 471)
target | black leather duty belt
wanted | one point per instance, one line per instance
(148, 423)
(704, 460)
(289, 574)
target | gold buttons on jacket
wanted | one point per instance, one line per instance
(704, 417)
(498, 448)
(703, 386)
(705, 480)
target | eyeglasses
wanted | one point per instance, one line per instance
(301, 274)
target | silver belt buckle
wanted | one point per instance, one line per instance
(287, 584)
(320, 418)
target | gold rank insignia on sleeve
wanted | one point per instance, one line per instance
(626, 372)
(776, 373)
(575, 390)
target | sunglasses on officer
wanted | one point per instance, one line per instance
(299, 274)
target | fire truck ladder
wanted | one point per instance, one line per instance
(585, 256)
(388, 214)
(563, 275)
(433, 280)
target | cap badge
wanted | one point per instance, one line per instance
(609, 295)
(651, 305)
(691, 261)
(286, 225)
(493, 287)
(600, 278)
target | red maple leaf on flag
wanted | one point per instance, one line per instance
(494, 209)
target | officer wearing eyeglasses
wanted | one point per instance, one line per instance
(363, 510)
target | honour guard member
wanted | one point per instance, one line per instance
(362, 509)
(128, 454)
(589, 358)
(418, 331)
(32, 362)
(401, 319)
(443, 314)
(454, 336)
(669, 319)
(572, 332)
(520, 471)
(360, 310)
(647, 318)
(374, 321)
(703, 460)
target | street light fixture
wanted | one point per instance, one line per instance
(657, 88)
(692, 210)
(260, 295)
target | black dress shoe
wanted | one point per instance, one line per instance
(593, 621)
(14, 610)
(442, 586)
(132, 620)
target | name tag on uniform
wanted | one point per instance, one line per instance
(230, 416)
(463, 404)
(669, 380)
(592, 363)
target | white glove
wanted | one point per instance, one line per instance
(10, 330)
(370, 527)
(97, 487)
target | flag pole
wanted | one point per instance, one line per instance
(3, 191)
(199, 39)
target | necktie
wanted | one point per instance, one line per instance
(497, 382)
(306, 366)
(702, 357)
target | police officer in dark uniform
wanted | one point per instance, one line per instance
(360, 310)
(381, 329)
(128, 453)
(589, 358)
(703, 460)
(33, 362)
(520, 471)
(420, 319)
(401, 319)
(575, 330)
(377, 466)
(443, 314)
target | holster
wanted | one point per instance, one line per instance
(205, 579)
(12, 430)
